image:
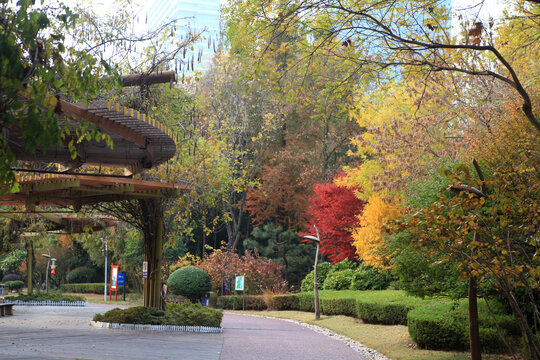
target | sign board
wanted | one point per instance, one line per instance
(239, 283)
(145, 270)
(114, 276)
(121, 278)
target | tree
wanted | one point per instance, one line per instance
(491, 235)
(36, 68)
(335, 210)
(410, 35)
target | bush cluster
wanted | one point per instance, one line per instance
(87, 288)
(187, 314)
(347, 275)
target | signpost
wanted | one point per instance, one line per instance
(239, 286)
(145, 270)
(122, 281)
(114, 282)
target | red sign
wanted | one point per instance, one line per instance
(114, 281)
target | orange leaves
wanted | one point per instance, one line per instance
(368, 238)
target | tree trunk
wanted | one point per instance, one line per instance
(474, 335)
(153, 239)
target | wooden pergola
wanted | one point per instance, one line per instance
(140, 142)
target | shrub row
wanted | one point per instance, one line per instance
(88, 288)
(432, 325)
(186, 314)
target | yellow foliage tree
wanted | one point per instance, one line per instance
(368, 238)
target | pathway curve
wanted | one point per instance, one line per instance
(50, 332)
(251, 337)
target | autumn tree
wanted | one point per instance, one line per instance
(334, 210)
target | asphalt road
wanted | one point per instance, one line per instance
(48, 332)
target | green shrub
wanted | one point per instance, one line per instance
(369, 278)
(338, 307)
(285, 302)
(234, 302)
(445, 326)
(432, 327)
(15, 285)
(339, 280)
(383, 313)
(133, 315)
(344, 264)
(81, 274)
(306, 302)
(192, 315)
(88, 288)
(322, 271)
(189, 281)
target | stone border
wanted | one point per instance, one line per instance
(197, 329)
(50, 303)
(355, 345)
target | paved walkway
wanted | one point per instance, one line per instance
(47, 332)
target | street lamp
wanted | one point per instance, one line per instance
(105, 287)
(49, 259)
(317, 241)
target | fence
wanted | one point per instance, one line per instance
(50, 303)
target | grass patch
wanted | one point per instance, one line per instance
(132, 299)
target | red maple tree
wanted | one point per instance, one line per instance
(335, 209)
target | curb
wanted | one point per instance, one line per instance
(178, 328)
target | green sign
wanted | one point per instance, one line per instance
(239, 283)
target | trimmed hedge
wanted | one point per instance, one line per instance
(285, 302)
(383, 313)
(88, 288)
(189, 281)
(15, 285)
(338, 307)
(81, 274)
(441, 326)
(234, 302)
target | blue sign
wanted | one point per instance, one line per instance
(121, 278)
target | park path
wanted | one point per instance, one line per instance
(250, 337)
(49, 332)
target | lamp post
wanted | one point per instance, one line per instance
(48, 256)
(105, 287)
(317, 241)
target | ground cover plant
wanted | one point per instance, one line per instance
(51, 296)
(186, 314)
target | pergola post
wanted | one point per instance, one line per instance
(29, 245)
(153, 240)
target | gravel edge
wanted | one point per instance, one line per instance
(353, 344)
